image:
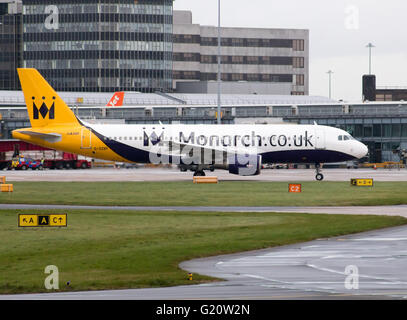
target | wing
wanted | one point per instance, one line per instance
(195, 152)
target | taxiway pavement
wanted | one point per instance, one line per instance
(159, 174)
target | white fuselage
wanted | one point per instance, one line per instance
(275, 143)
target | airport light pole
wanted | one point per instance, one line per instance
(370, 46)
(219, 119)
(330, 72)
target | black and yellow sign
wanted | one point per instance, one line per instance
(42, 220)
(362, 182)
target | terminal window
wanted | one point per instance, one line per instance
(298, 62)
(298, 45)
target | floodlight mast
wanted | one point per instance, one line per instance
(219, 118)
(330, 72)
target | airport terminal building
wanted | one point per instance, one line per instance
(145, 46)
(100, 46)
(88, 45)
(11, 44)
(275, 60)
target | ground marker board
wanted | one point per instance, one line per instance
(6, 187)
(42, 220)
(362, 182)
(197, 180)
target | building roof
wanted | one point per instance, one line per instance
(247, 99)
(16, 98)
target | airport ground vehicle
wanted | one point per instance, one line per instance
(11, 149)
(22, 163)
(66, 161)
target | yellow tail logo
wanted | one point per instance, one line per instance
(44, 105)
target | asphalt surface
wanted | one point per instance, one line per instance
(158, 174)
(313, 270)
(400, 210)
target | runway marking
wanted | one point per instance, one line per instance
(360, 275)
(379, 239)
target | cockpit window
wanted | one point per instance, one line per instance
(345, 138)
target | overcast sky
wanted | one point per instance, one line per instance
(339, 33)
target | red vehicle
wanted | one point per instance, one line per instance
(66, 161)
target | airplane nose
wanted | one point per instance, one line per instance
(362, 150)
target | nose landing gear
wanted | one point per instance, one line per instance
(319, 176)
(200, 173)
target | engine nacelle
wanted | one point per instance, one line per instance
(245, 165)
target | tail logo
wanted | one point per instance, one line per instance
(117, 100)
(44, 111)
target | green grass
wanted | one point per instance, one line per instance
(114, 250)
(238, 193)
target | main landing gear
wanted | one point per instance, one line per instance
(199, 169)
(319, 176)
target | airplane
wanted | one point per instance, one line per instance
(116, 100)
(240, 149)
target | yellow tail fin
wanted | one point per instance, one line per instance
(44, 105)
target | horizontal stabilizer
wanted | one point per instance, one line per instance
(51, 137)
